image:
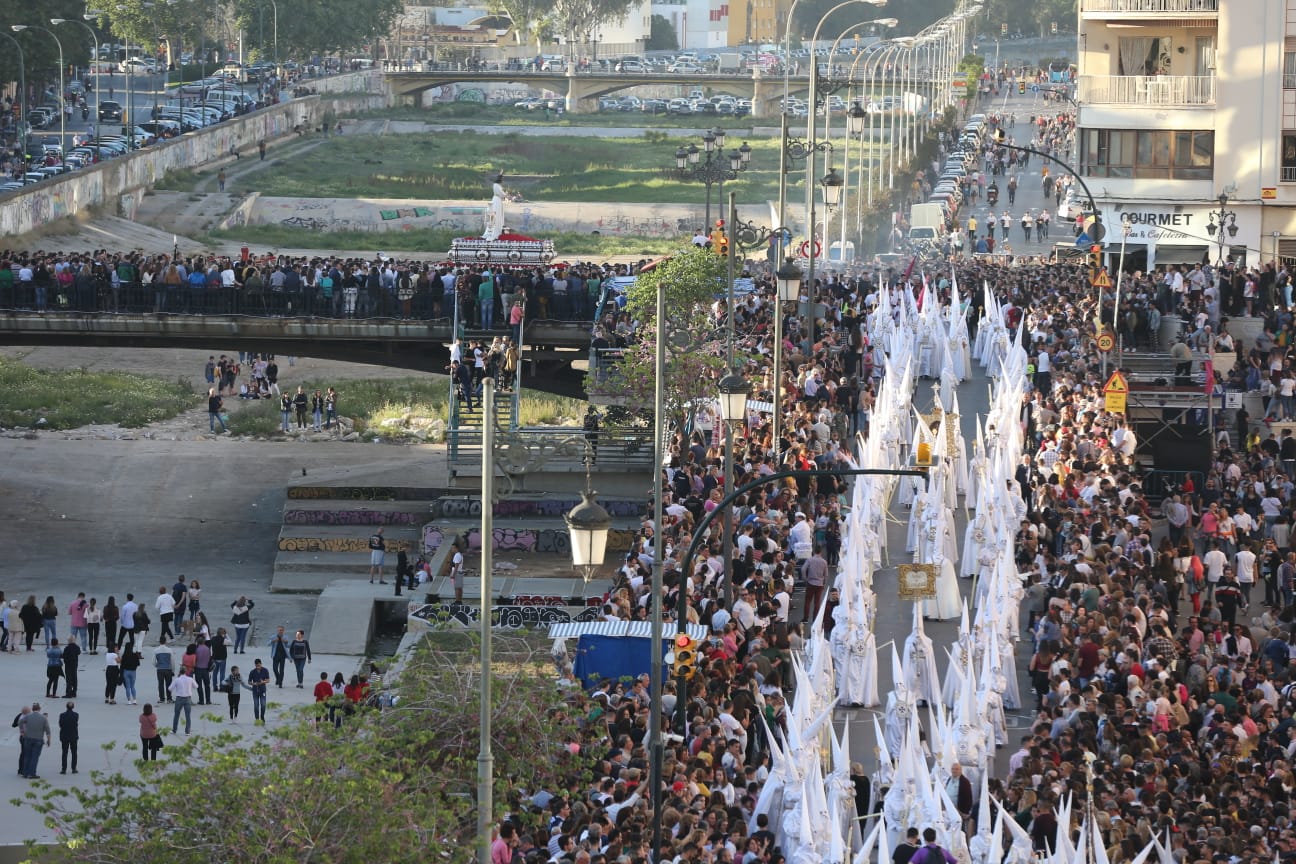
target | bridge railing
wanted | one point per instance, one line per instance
(137, 298)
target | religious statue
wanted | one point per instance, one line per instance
(495, 210)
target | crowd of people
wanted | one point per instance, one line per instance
(1143, 639)
(192, 662)
(485, 296)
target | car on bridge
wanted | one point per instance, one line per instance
(684, 67)
(632, 65)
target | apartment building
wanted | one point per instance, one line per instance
(1181, 102)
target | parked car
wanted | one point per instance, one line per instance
(531, 103)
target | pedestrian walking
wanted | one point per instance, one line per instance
(112, 674)
(258, 680)
(69, 733)
(183, 689)
(202, 670)
(94, 621)
(377, 551)
(300, 652)
(242, 621)
(165, 605)
(219, 645)
(33, 737)
(279, 654)
(220, 180)
(130, 663)
(233, 687)
(150, 738)
(164, 666)
(300, 403)
(214, 405)
(53, 669)
(76, 620)
(71, 668)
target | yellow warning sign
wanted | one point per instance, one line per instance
(1102, 280)
(1115, 392)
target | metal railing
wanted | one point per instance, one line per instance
(1289, 81)
(1147, 89)
(562, 447)
(98, 295)
(1171, 6)
(1289, 174)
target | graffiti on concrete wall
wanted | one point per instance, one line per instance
(546, 541)
(338, 544)
(350, 517)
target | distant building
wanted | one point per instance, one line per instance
(699, 24)
(1181, 101)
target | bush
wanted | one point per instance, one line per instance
(69, 398)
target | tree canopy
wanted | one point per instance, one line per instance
(390, 785)
(693, 281)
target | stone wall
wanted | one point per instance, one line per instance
(120, 183)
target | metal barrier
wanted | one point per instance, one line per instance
(559, 447)
(98, 295)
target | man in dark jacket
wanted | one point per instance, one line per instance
(69, 732)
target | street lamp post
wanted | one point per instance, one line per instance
(18, 28)
(94, 60)
(275, 23)
(718, 166)
(21, 100)
(1222, 221)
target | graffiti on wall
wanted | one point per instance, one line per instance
(545, 541)
(338, 544)
(350, 517)
(528, 508)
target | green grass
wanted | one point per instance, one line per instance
(70, 398)
(370, 402)
(458, 165)
(435, 243)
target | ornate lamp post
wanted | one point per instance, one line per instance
(1222, 221)
(718, 166)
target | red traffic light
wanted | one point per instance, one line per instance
(683, 640)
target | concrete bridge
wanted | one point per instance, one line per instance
(418, 345)
(583, 89)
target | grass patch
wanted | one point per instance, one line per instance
(458, 165)
(434, 243)
(70, 398)
(369, 402)
(183, 180)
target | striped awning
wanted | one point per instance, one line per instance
(636, 629)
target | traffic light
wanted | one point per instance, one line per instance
(1003, 29)
(1021, 85)
(1053, 27)
(719, 240)
(1095, 258)
(685, 665)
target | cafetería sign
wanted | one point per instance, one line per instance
(1186, 227)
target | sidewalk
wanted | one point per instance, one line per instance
(105, 729)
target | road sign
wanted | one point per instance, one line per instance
(1115, 392)
(1102, 280)
(1106, 342)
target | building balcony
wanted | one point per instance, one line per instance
(1162, 90)
(1121, 9)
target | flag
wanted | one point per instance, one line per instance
(909, 270)
(1209, 366)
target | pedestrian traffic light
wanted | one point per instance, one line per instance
(685, 665)
(1021, 86)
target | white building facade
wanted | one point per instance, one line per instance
(699, 24)
(1179, 103)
